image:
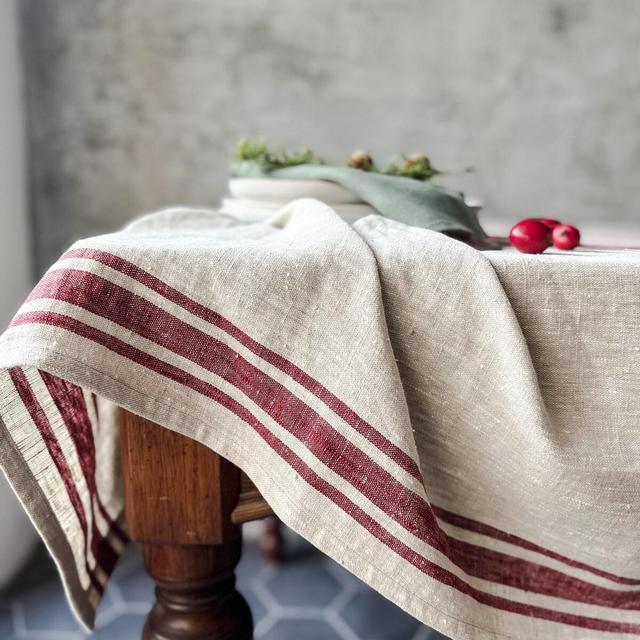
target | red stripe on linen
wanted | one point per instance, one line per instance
(400, 457)
(427, 566)
(331, 492)
(411, 511)
(71, 404)
(498, 534)
(130, 311)
(332, 401)
(41, 421)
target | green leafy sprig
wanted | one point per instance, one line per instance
(417, 166)
(271, 159)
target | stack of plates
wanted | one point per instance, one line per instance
(256, 199)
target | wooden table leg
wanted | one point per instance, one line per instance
(271, 540)
(179, 501)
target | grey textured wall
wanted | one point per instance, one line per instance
(135, 104)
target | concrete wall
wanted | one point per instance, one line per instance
(17, 535)
(15, 263)
(135, 104)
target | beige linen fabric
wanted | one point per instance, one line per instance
(459, 429)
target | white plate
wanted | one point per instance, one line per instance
(287, 190)
(256, 210)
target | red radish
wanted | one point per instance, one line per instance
(550, 222)
(530, 236)
(565, 236)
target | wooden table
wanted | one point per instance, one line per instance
(185, 504)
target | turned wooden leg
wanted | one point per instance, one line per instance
(195, 593)
(271, 540)
(180, 498)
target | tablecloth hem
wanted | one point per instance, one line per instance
(301, 520)
(30, 495)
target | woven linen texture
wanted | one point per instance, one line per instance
(458, 429)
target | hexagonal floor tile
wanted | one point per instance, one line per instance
(306, 580)
(301, 630)
(303, 583)
(6, 624)
(45, 608)
(136, 587)
(251, 563)
(258, 610)
(127, 626)
(373, 617)
(344, 576)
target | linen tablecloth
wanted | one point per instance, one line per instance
(460, 429)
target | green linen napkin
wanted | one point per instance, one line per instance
(413, 202)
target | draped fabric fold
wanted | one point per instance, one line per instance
(459, 429)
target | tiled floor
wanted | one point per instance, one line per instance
(308, 597)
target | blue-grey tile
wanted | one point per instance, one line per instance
(303, 584)
(258, 610)
(250, 564)
(296, 547)
(373, 617)
(6, 624)
(128, 626)
(306, 578)
(107, 603)
(46, 609)
(301, 630)
(136, 587)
